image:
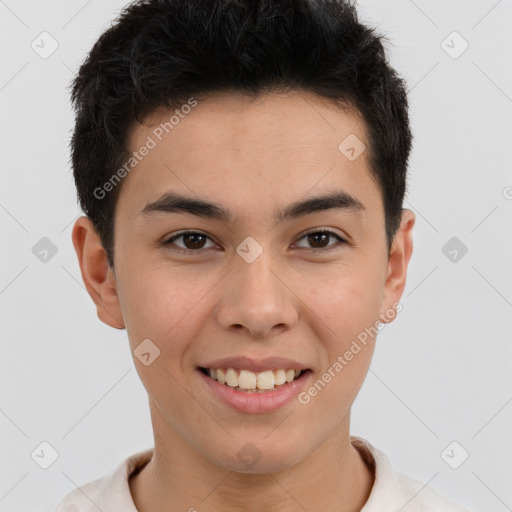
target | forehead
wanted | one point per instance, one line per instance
(294, 118)
(246, 152)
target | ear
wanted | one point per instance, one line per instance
(399, 256)
(97, 275)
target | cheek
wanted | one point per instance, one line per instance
(346, 302)
(353, 317)
(348, 314)
(161, 306)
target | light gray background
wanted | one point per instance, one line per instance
(440, 373)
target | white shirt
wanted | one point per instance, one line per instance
(391, 491)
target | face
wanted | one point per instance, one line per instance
(250, 278)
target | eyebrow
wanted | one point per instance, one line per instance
(171, 202)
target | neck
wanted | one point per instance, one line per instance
(332, 478)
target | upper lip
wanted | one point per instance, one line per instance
(260, 365)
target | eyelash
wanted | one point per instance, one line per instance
(170, 241)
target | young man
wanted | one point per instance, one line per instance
(242, 166)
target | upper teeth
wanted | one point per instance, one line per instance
(245, 379)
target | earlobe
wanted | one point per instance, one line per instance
(97, 275)
(400, 255)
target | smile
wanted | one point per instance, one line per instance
(252, 382)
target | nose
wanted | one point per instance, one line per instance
(257, 298)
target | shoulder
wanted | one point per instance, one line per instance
(424, 498)
(84, 498)
(110, 492)
(395, 491)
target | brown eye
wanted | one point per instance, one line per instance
(319, 239)
(193, 241)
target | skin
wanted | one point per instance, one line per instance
(296, 300)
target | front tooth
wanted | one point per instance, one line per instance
(221, 376)
(279, 377)
(266, 380)
(290, 375)
(247, 379)
(231, 378)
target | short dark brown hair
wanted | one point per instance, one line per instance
(163, 52)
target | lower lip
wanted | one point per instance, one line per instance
(257, 403)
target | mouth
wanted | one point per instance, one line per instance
(247, 381)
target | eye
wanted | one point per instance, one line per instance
(193, 241)
(319, 237)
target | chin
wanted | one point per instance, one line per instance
(253, 458)
(264, 465)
